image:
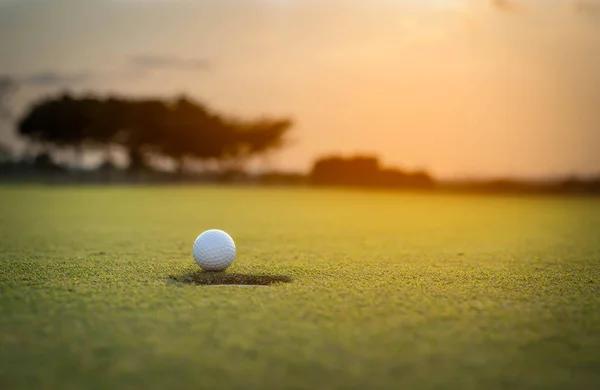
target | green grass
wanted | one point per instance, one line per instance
(357, 290)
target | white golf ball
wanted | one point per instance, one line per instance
(214, 250)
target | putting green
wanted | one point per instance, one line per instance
(343, 290)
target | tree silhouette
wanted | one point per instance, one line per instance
(6, 153)
(107, 122)
(365, 171)
(144, 123)
(359, 170)
(181, 130)
(193, 133)
(254, 138)
(8, 86)
(62, 122)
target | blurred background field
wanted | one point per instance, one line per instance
(370, 290)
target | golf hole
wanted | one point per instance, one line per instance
(203, 278)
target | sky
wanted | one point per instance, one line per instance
(461, 88)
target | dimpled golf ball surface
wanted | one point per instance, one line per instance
(214, 250)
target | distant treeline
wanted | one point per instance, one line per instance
(359, 171)
(571, 185)
(185, 131)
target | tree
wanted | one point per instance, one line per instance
(365, 171)
(359, 170)
(107, 121)
(144, 122)
(8, 86)
(255, 137)
(62, 122)
(6, 153)
(182, 130)
(193, 133)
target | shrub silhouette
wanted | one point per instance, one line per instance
(364, 171)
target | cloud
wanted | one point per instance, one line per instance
(54, 78)
(149, 1)
(590, 7)
(504, 5)
(173, 63)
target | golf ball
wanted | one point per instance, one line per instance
(214, 250)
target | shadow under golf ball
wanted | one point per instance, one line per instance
(223, 278)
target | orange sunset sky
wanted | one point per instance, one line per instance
(462, 88)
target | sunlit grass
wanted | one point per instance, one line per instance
(365, 290)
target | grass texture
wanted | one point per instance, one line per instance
(342, 290)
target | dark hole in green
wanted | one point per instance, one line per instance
(216, 278)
